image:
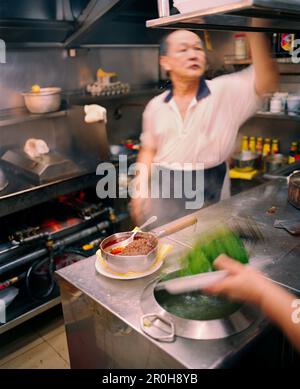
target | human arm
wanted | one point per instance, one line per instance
(139, 206)
(246, 284)
(266, 72)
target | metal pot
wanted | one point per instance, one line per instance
(47, 100)
(294, 189)
(139, 263)
(274, 162)
(245, 161)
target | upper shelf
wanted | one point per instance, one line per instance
(243, 15)
(282, 116)
(285, 65)
(82, 98)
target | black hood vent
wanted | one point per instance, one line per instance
(70, 23)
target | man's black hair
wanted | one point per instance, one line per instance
(163, 47)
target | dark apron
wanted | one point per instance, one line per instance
(168, 209)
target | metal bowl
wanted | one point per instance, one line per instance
(245, 161)
(294, 189)
(130, 263)
(274, 162)
(47, 100)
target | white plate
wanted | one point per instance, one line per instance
(101, 270)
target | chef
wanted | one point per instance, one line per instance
(189, 131)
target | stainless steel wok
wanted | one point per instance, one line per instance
(192, 315)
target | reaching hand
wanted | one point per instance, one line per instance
(242, 284)
(139, 210)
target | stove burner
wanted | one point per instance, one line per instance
(25, 235)
(85, 210)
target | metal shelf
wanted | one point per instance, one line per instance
(20, 115)
(78, 99)
(27, 195)
(245, 15)
(30, 314)
(285, 66)
(270, 115)
(230, 60)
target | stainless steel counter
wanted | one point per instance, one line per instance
(102, 315)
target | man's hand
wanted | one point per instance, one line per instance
(246, 284)
(140, 206)
(242, 284)
(265, 66)
(139, 210)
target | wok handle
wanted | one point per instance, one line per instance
(177, 226)
(151, 327)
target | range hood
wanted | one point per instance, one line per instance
(243, 15)
(71, 23)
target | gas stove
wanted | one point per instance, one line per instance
(39, 240)
(31, 229)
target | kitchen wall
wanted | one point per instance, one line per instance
(52, 67)
(136, 65)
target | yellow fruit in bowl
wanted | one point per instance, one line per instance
(35, 88)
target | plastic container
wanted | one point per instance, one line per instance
(276, 104)
(293, 105)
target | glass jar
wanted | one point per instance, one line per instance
(240, 43)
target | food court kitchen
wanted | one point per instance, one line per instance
(85, 281)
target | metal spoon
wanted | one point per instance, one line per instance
(126, 242)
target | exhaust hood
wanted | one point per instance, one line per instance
(242, 15)
(71, 23)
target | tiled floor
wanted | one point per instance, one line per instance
(40, 343)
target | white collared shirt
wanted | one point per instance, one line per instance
(208, 132)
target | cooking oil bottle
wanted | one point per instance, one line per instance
(259, 150)
(245, 146)
(292, 153)
(275, 147)
(252, 144)
(259, 146)
(267, 147)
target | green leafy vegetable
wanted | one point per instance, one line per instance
(223, 241)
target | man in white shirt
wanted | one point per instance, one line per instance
(196, 121)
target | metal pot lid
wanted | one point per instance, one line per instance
(162, 325)
(3, 180)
